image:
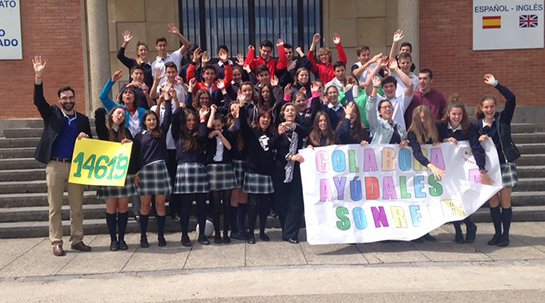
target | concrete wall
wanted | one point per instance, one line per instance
(147, 20)
(360, 22)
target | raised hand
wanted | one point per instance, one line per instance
(173, 29)
(127, 36)
(287, 89)
(213, 108)
(220, 84)
(314, 87)
(398, 35)
(393, 64)
(336, 38)
(158, 74)
(39, 65)
(383, 62)
(274, 80)
(203, 112)
(192, 83)
(299, 51)
(240, 59)
(316, 38)
(205, 58)
(247, 68)
(349, 108)
(489, 79)
(251, 47)
(197, 54)
(376, 81)
(376, 58)
(279, 42)
(223, 55)
(116, 75)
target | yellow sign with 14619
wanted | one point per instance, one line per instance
(97, 162)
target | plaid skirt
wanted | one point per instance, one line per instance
(257, 184)
(221, 176)
(509, 175)
(239, 166)
(191, 178)
(128, 190)
(154, 179)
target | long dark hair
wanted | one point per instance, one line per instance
(356, 131)
(231, 124)
(189, 137)
(156, 132)
(261, 103)
(316, 133)
(455, 101)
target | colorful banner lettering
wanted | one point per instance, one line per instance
(97, 162)
(360, 194)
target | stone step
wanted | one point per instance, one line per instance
(528, 198)
(20, 163)
(531, 171)
(31, 132)
(17, 152)
(531, 160)
(29, 229)
(22, 175)
(521, 138)
(523, 128)
(37, 186)
(531, 148)
(18, 142)
(41, 213)
(40, 199)
(530, 184)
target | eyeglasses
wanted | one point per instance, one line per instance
(68, 98)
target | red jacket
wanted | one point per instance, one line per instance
(325, 72)
(226, 80)
(273, 64)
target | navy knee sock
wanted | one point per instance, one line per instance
(506, 217)
(161, 226)
(122, 219)
(110, 221)
(143, 226)
(496, 219)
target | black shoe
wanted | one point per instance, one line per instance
(114, 246)
(264, 237)
(503, 241)
(186, 242)
(471, 234)
(240, 236)
(176, 217)
(144, 242)
(429, 237)
(459, 238)
(251, 240)
(162, 242)
(217, 239)
(419, 240)
(203, 240)
(226, 239)
(494, 241)
(123, 245)
(292, 241)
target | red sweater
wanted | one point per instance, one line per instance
(227, 79)
(325, 72)
(273, 64)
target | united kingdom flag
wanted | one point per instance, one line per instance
(528, 21)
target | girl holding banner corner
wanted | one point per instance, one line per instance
(497, 125)
(117, 197)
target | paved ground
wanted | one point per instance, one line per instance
(280, 272)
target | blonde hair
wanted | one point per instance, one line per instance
(424, 131)
(324, 50)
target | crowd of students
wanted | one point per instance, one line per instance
(230, 132)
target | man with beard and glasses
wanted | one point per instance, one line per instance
(62, 126)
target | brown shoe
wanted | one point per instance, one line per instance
(81, 247)
(58, 251)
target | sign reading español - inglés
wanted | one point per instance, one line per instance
(507, 24)
(10, 30)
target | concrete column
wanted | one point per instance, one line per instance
(99, 49)
(407, 20)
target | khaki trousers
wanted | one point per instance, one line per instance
(57, 180)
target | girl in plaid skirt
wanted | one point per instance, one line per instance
(259, 167)
(117, 197)
(497, 125)
(220, 172)
(191, 178)
(152, 178)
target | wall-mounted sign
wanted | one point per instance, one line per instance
(10, 30)
(507, 24)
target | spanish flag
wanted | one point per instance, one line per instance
(491, 22)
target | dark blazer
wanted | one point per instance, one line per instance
(53, 124)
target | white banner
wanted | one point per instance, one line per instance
(356, 194)
(10, 30)
(507, 24)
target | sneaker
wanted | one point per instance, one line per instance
(203, 240)
(162, 242)
(144, 242)
(123, 245)
(503, 241)
(114, 246)
(494, 241)
(471, 234)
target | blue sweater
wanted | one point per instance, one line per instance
(109, 104)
